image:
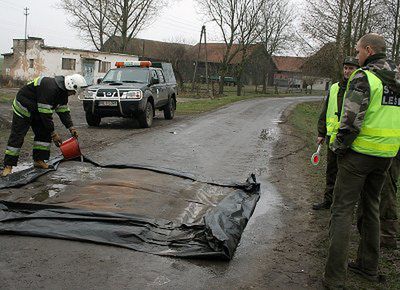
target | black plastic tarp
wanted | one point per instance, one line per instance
(159, 211)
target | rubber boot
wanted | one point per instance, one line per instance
(40, 164)
(6, 171)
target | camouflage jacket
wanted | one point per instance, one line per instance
(357, 100)
(322, 117)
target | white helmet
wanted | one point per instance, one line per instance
(75, 82)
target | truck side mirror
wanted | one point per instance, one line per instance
(99, 80)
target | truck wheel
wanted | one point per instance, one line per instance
(146, 118)
(169, 109)
(92, 120)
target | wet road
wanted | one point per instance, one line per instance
(226, 144)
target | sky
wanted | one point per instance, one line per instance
(178, 21)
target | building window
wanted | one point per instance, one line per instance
(104, 66)
(31, 62)
(68, 63)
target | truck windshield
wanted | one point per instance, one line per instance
(127, 75)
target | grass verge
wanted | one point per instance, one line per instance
(193, 105)
(304, 119)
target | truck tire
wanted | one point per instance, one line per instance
(93, 120)
(169, 109)
(146, 118)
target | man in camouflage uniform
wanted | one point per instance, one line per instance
(367, 140)
(350, 64)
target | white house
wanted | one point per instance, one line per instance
(32, 58)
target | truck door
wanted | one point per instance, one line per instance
(163, 88)
(156, 89)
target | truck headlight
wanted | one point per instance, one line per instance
(89, 94)
(137, 95)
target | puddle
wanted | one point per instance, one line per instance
(76, 172)
(40, 196)
(50, 192)
(269, 200)
(160, 280)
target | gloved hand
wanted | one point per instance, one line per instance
(56, 139)
(73, 132)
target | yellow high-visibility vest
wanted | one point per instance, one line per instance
(380, 131)
(332, 118)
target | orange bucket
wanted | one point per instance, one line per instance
(70, 148)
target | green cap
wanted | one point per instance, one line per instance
(350, 60)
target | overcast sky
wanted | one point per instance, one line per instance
(50, 23)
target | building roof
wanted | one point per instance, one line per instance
(82, 50)
(144, 48)
(289, 63)
(216, 51)
(47, 47)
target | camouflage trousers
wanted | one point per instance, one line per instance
(388, 206)
(360, 178)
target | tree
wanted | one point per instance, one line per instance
(342, 22)
(391, 25)
(248, 34)
(275, 31)
(180, 55)
(90, 18)
(100, 20)
(320, 63)
(131, 16)
(230, 16)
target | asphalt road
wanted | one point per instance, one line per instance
(227, 144)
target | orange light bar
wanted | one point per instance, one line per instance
(145, 63)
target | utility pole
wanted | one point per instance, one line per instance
(203, 32)
(205, 45)
(197, 60)
(26, 9)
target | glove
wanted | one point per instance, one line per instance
(56, 139)
(73, 132)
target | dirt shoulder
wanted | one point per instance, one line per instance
(301, 254)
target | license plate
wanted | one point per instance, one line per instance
(108, 103)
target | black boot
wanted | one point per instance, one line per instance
(356, 268)
(326, 204)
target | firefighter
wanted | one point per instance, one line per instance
(328, 124)
(33, 107)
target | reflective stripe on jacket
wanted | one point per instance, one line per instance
(380, 132)
(332, 118)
